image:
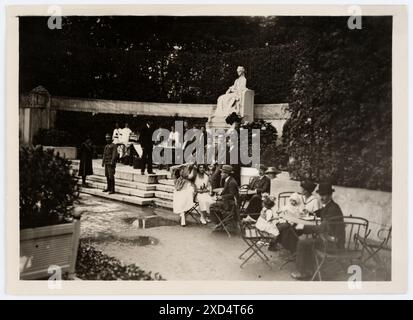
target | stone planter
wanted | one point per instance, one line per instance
(43, 247)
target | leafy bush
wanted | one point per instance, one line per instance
(270, 152)
(341, 106)
(53, 137)
(92, 264)
(47, 188)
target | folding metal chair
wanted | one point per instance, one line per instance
(355, 228)
(192, 213)
(373, 248)
(223, 222)
(255, 240)
(283, 198)
(243, 191)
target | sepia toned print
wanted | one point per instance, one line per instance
(207, 148)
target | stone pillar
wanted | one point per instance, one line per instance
(34, 113)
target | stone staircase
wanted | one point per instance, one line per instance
(131, 187)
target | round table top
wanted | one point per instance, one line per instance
(247, 191)
(307, 221)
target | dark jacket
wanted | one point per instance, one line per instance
(145, 137)
(331, 223)
(86, 156)
(110, 154)
(261, 184)
(230, 191)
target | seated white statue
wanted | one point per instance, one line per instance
(229, 102)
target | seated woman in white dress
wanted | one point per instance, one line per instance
(203, 192)
(183, 196)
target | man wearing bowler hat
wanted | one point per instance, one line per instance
(229, 197)
(331, 224)
(110, 154)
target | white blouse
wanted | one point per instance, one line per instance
(312, 204)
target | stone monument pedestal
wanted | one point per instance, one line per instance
(245, 110)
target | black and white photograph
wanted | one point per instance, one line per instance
(216, 147)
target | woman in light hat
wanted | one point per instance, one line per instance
(183, 196)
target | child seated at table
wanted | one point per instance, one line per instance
(268, 218)
(295, 206)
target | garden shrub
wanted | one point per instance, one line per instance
(48, 187)
(270, 153)
(341, 106)
(92, 264)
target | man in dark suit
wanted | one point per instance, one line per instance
(260, 184)
(229, 197)
(145, 139)
(110, 155)
(331, 225)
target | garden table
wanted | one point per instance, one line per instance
(309, 220)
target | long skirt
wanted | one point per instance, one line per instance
(183, 200)
(226, 104)
(205, 201)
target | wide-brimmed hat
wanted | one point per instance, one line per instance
(227, 168)
(325, 188)
(308, 185)
(273, 170)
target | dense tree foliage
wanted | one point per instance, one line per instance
(168, 59)
(341, 123)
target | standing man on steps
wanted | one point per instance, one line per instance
(110, 155)
(146, 142)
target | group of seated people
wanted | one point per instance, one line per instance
(216, 191)
(196, 184)
(283, 224)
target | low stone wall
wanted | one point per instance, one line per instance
(66, 152)
(375, 206)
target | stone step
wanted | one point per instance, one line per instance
(123, 190)
(169, 182)
(131, 176)
(163, 203)
(125, 183)
(164, 195)
(118, 197)
(165, 188)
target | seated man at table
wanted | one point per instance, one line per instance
(331, 224)
(229, 197)
(259, 185)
